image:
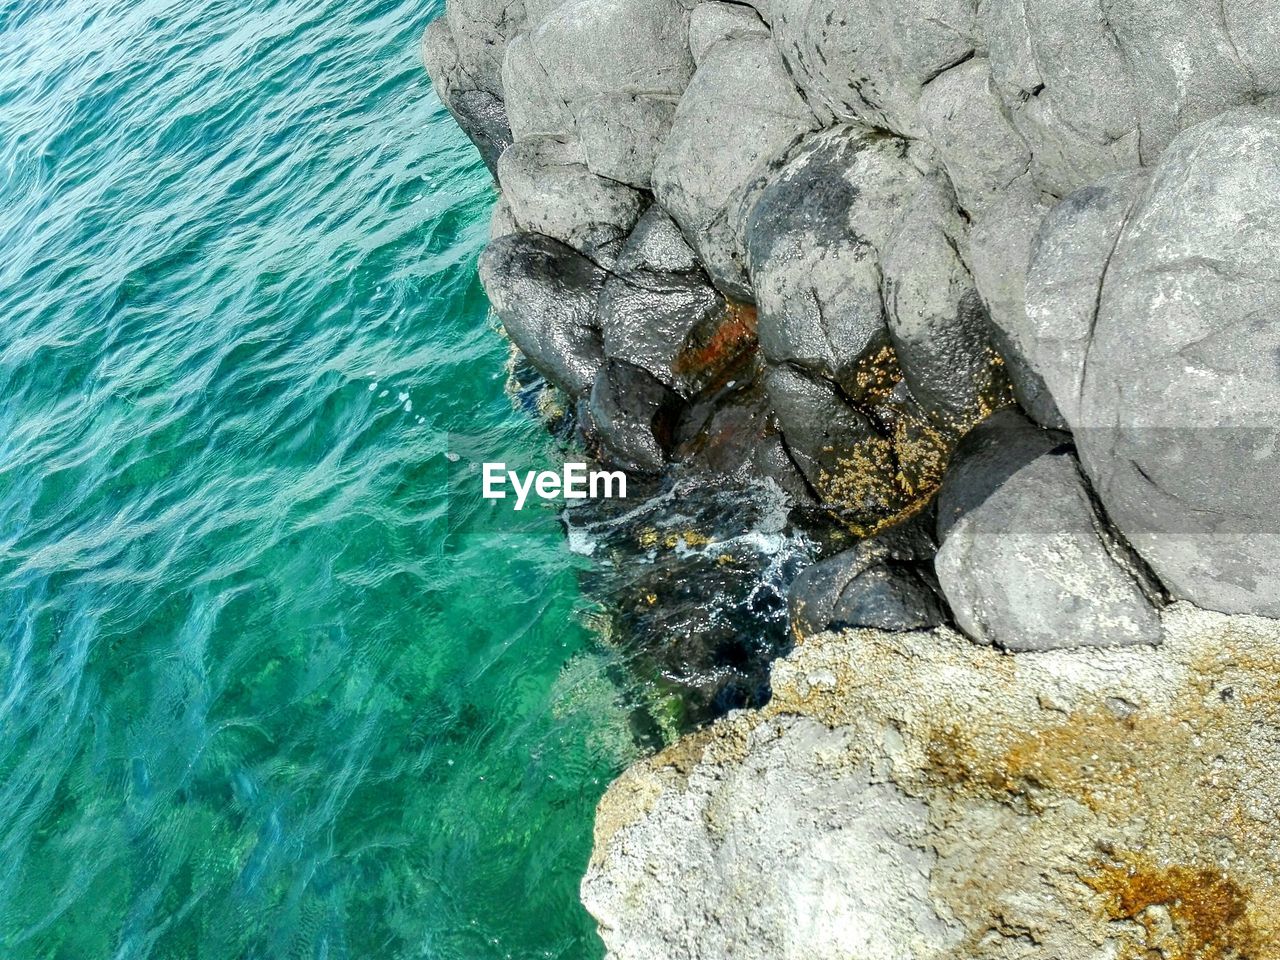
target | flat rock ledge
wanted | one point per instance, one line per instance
(914, 795)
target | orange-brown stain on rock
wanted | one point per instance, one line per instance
(1207, 911)
(710, 355)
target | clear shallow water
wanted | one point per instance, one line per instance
(253, 703)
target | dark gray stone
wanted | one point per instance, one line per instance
(877, 584)
(546, 294)
(633, 417)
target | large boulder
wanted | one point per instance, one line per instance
(1027, 562)
(915, 795)
(1096, 89)
(545, 294)
(813, 241)
(740, 112)
(657, 301)
(856, 243)
(1180, 414)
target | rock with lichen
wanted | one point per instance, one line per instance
(916, 795)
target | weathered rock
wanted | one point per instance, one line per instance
(479, 112)
(709, 23)
(1180, 417)
(966, 121)
(875, 584)
(1026, 562)
(576, 78)
(938, 324)
(551, 192)
(817, 424)
(813, 237)
(1069, 260)
(870, 62)
(633, 416)
(739, 113)
(916, 795)
(546, 293)
(1120, 82)
(621, 136)
(999, 252)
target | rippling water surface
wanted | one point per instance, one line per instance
(253, 703)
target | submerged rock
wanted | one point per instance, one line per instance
(916, 795)
(691, 582)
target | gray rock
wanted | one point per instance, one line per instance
(740, 112)
(870, 61)
(813, 237)
(545, 294)
(709, 23)
(480, 113)
(820, 431)
(1026, 562)
(621, 136)
(999, 252)
(534, 106)
(875, 584)
(939, 327)
(967, 123)
(576, 76)
(552, 192)
(633, 416)
(502, 223)
(657, 245)
(650, 318)
(1064, 281)
(1180, 415)
(480, 31)
(855, 241)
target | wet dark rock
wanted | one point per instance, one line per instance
(1027, 561)
(883, 583)
(484, 119)
(692, 581)
(632, 416)
(545, 294)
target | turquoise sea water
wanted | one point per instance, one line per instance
(253, 702)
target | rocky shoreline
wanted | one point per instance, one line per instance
(988, 291)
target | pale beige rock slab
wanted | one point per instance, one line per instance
(918, 796)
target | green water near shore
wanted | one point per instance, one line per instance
(254, 703)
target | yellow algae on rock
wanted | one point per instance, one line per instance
(919, 796)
